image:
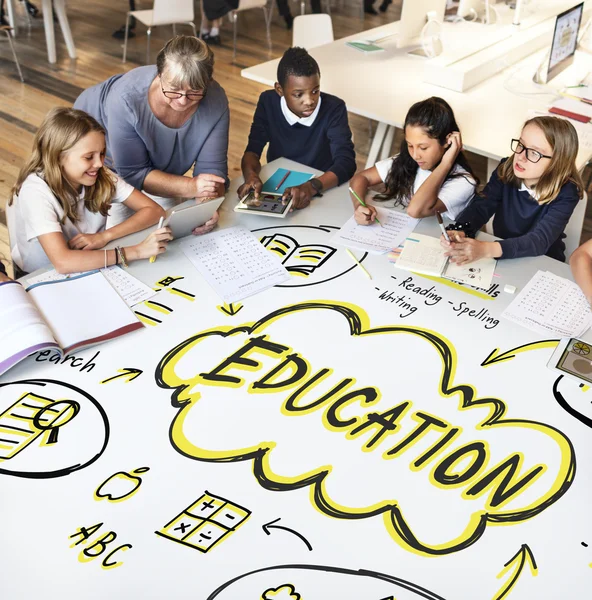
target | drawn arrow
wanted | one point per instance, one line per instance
(230, 309)
(129, 374)
(495, 356)
(271, 525)
(518, 560)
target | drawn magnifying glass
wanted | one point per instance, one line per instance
(54, 416)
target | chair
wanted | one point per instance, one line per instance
(164, 12)
(247, 5)
(573, 231)
(7, 30)
(312, 30)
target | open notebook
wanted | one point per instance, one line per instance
(424, 255)
(66, 315)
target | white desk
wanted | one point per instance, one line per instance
(48, 6)
(196, 433)
(383, 85)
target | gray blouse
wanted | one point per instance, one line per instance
(137, 142)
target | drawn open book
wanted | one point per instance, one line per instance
(424, 255)
(298, 260)
(65, 315)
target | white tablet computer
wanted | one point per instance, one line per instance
(184, 218)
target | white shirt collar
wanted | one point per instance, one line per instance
(293, 119)
(533, 194)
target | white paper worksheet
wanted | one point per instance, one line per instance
(551, 304)
(131, 289)
(234, 263)
(394, 227)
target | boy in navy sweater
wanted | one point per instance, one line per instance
(302, 124)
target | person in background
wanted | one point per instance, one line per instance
(430, 174)
(162, 120)
(301, 123)
(531, 196)
(119, 34)
(58, 211)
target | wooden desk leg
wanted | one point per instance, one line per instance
(49, 30)
(10, 14)
(60, 8)
(377, 140)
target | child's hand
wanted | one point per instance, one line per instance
(88, 241)
(454, 141)
(207, 185)
(207, 226)
(301, 195)
(155, 243)
(252, 184)
(365, 215)
(455, 236)
(466, 250)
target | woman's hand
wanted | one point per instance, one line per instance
(156, 243)
(365, 215)
(252, 184)
(208, 186)
(89, 241)
(208, 225)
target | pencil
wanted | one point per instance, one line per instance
(358, 263)
(363, 204)
(279, 185)
(160, 222)
(441, 223)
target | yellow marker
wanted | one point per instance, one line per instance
(358, 263)
(153, 258)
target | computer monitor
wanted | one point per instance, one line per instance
(565, 40)
(414, 16)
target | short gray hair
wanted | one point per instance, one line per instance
(188, 61)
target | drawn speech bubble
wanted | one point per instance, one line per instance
(49, 429)
(405, 442)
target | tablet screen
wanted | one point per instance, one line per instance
(265, 204)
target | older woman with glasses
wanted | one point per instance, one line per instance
(162, 120)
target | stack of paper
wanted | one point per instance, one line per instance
(550, 304)
(394, 227)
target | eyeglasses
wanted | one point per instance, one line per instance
(192, 96)
(531, 155)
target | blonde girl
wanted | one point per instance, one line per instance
(61, 199)
(532, 195)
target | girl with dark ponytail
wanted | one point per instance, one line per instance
(430, 174)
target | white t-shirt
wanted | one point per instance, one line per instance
(36, 211)
(455, 193)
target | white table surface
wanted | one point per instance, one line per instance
(383, 85)
(145, 429)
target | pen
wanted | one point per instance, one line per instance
(279, 185)
(160, 222)
(363, 204)
(441, 223)
(358, 263)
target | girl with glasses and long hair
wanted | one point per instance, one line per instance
(531, 197)
(430, 174)
(58, 212)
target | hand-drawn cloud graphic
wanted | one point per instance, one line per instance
(319, 582)
(406, 442)
(307, 252)
(284, 592)
(49, 428)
